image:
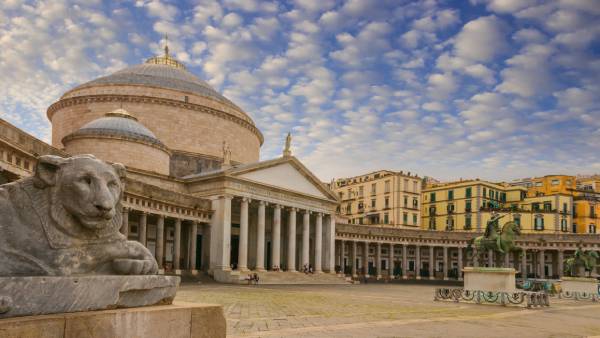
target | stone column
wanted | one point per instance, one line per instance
(353, 264)
(431, 262)
(276, 238)
(343, 256)
(490, 258)
(418, 261)
(560, 263)
(142, 228)
(460, 263)
(260, 237)
(291, 252)
(524, 264)
(125, 222)
(177, 247)
(445, 263)
(243, 243)
(160, 241)
(330, 245)
(305, 238)
(542, 264)
(404, 261)
(319, 242)
(391, 265)
(378, 260)
(193, 238)
(366, 259)
(220, 241)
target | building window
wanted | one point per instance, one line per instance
(503, 197)
(432, 211)
(406, 184)
(468, 222)
(592, 229)
(450, 208)
(405, 202)
(468, 192)
(386, 218)
(432, 223)
(468, 206)
(405, 218)
(574, 228)
(592, 211)
(563, 225)
(517, 219)
(538, 223)
(547, 206)
(361, 206)
(565, 208)
(387, 187)
(361, 191)
(373, 188)
(432, 197)
(387, 202)
(555, 182)
(186, 99)
(415, 203)
(535, 206)
(484, 191)
(415, 186)
(373, 203)
(414, 219)
(450, 194)
(450, 224)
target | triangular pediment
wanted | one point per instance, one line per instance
(287, 175)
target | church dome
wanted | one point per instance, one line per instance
(119, 138)
(189, 117)
(118, 123)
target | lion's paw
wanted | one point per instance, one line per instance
(127, 266)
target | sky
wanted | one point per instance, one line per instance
(491, 89)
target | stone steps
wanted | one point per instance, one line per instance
(284, 277)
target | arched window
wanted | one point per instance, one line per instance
(538, 222)
(563, 225)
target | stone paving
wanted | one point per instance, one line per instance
(383, 310)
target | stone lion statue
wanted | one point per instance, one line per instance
(65, 220)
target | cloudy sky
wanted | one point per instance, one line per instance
(497, 89)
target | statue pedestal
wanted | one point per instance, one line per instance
(490, 279)
(580, 288)
(179, 320)
(39, 295)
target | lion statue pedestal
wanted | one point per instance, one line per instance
(60, 245)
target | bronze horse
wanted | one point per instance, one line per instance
(502, 243)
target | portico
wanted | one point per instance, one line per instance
(268, 216)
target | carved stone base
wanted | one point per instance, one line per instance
(179, 320)
(529, 299)
(25, 296)
(490, 279)
(580, 288)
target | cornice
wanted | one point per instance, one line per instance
(67, 102)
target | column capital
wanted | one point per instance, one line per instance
(124, 209)
(292, 209)
(260, 202)
(307, 211)
(277, 206)
(246, 199)
(226, 196)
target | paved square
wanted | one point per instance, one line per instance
(383, 310)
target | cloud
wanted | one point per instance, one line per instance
(481, 39)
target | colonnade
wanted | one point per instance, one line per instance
(166, 234)
(292, 247)
(363, 258)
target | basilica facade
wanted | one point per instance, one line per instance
(196, 193)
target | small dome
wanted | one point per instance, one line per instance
(118, 123)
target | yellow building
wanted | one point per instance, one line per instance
(584, 192)
(548, 185)
(469, 205)
(385, 197)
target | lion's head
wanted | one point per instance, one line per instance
(84, 191)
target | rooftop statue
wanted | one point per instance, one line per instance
(65, 220)
(287, 151)
(499, 239)
(580, 262)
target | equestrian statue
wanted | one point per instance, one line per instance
(585, 260)
(499, 239)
